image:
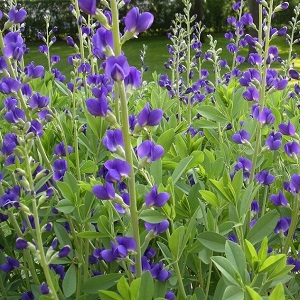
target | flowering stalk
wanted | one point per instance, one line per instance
(262, 92)
(127, 141)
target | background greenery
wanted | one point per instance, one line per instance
(213, 13)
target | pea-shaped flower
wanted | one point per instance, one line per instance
(149, 151)
(148, 117)
(153, 198)
(117, 67)
(88, 6)
(136, 22)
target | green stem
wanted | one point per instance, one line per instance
(263, 210)
(208, 280)
(293, 226)
(262, 94)
(131, 179)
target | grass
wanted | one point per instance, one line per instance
(156, 54)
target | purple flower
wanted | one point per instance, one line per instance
(113, 140)
(282, 225)
(255, 207)
(264, 177)
(265, 116)
(149, 117)
(38, 101)
(133, 80)
(279, 199)
(21, 244)
(36, 127)
(294, 74)
(55, 59)
(102, 192)
(153, 198)
(251, 94)
(10, 265)
(136, 22)
(169, 295)
(117, 170)
(64, 252)
(150, 151)
(28, 296)
(273, 142)
(70, 41)
(88, 6)
(254, 59)
(44, 289)
(232, 48)
(159, 273)
(11, 198)
(9, 144)
(13, 45)
(125, 245)
(84, 68)
(243, 163)
(17, 16)
(43, 49)
(292, 148)
(247, 19)
(34, 72)
(14, 115)
(117, 67)
(241, 137)
(250, 76)
(60, 149)
(102, 40)
(294, 185)
(97, 107)
(60, 167)
(157, 228)
(9, 85)
(287, 129)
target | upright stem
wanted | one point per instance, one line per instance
(262, 93)
(127, 141)
(131, 179)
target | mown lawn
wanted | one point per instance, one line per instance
(156, 54)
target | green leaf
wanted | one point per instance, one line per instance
(152, 216)
(272, 262)
(210, 197)
(263, 251)
(89, 167)
(181, 168)
(175, 242)
(165, 251)
(109, 295)
(236, 256)
(96, 283)
(213, 241)
(227, 270)
(65, 206)
(135, 288)
(123, 288)
(66, 191)
(233, 292)
(211, 113)
(250, 253)
(222, 190)
(278, 292)
(90, 235)
(69, 282)
(62, 234)
(252, 294)
(146, 289)
(181, 147)
(156, 171)
(263, 227)
(237, 182)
